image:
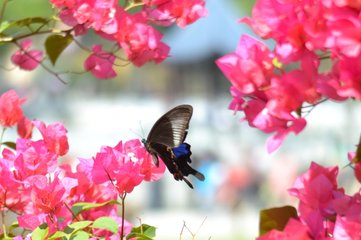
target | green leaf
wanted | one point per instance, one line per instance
(3, 26)
(106, 223)
(58, 234)
(55, 45)
(80, 235)
(11, 145)
(24, 22)
(79, 207)
(13, 226)
(143, 232)
(357, 157)
(40, 232)
(28, 21)
(275, 218)
(79, 225)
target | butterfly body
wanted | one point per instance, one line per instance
(166, 141)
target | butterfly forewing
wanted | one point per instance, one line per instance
(171, 129)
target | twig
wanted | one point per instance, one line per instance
(41, 63)
(3, 10)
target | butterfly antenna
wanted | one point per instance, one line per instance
(139, 135)
(141, 128)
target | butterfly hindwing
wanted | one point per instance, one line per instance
(165, 140)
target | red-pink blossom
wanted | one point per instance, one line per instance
(25, 58)
(54, 136)
(64, 3)
(140, 42)
(125, 165)
(182, 12)
(317, 191)
(10, 108)
(250, 67)
(113, 164)
(88, 191)
(100, 63)
(97, 14)
(25, 128)
(32, 158)
(136, 150)
(344, 80)
(294, 230)
(47, 195)
(347, 229)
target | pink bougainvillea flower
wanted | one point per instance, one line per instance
(10, 187)
(97, 14)
(126, 165)
(100, 63)
(10, 108)
(32, 158)
(31, 221)
(47, 198)
(317, 191)
(115, 165)
(294, 230)
(25, 58)
(54, 136)
(344, 80)
(88, 191)
(347, 228)
(25, 128)
(182, 12)
(140, 42)
(136, 150)
(64, 3)
(248, 70)
(47, 195)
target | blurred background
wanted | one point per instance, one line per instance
(241, 178)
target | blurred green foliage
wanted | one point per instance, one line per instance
(18, 9)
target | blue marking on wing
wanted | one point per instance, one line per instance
(183, 150)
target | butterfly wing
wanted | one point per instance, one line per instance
(183, 159)
(165, 140)
(177, 163)
(171, 129)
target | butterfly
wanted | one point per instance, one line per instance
(166, 141)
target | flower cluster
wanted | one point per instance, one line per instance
(273, 87)
(324, 210)
(36, 188)
(130, 27)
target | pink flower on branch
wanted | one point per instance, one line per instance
(182, 12)
(10, 108)
(140, 42)
(25, 58)
(32, 158)
(100, 63)
(25, 128)
(126, 166)
(47, 197)
(280, 83)
(294, 230)
(318, 194)
(54, 136)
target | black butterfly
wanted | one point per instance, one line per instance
(166, 140)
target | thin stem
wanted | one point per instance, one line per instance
(133, 5)
(3, 10)
(13, 39)
(123, 215)
(41, 63)
(3, 223)
(74, 216)
(1, 137)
